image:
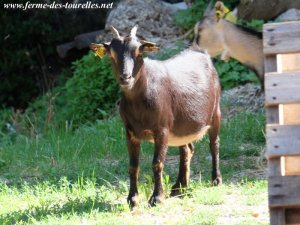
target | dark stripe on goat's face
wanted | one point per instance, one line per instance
(127, 59)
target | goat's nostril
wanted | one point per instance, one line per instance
(125, 76)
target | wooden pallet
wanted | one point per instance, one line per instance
(282, 91)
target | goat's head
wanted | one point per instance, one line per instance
(126, 54)
(209, 31)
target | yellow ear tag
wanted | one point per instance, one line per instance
(231, 17)
(225, 10)
(100, 52)
(226, 14)
(221, 13)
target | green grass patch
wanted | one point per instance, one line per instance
(100, 149)
(80, 176)
(201, 216)
(208, 195)
(254, 192)
(67, 202)
(251, 222)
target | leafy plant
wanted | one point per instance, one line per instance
(92, 92)
(233, 73)
(169, 52)
(89, 94)
(186, 19)
(253, 24)
(28, 59)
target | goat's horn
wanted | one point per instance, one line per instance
(133, 31)
(208, 8)
(115, 32)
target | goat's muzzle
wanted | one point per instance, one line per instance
(125, 79)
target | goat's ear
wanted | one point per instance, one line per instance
(99, 49)
(148, 46)
(220, 10)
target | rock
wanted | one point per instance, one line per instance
(154, 17)
(244, 98)
(178, 6)
(172, 1)
(81, 41)
(264, 9)
(290, 15)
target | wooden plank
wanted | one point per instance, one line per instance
(281, 37)
(283, 140)
(289, 114)
(288, 62)
(282, 88)
(274, 167)
(270, 63)
(291, 165)
(292, 216)
(284, 191)
(277, 216)
(272, 114)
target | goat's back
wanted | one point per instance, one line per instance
(187, 84)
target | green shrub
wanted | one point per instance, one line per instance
(28, 59)
(186, 19)
(92, 92)
(233, 73)
(169, 52)
(253, 24)
(89, 94)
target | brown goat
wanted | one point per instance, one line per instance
(221, 37)
(170, 103)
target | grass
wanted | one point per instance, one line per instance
(71, 203)
(81, 177)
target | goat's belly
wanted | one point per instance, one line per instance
(174, 140)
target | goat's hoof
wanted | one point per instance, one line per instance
(178, 190)
(154, 200)
(175, 192)
(132, 201)
(217, 181)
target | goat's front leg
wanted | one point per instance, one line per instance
(133, 150)
(161, 146)
(225, 55)
(186, 153)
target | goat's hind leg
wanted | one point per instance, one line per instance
(214, 140)
(186, 153)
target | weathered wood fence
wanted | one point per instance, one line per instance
(282, 91)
